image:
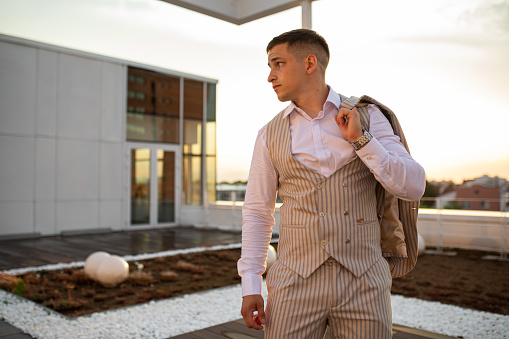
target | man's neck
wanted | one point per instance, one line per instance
(312, 103)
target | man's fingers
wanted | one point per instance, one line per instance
(340, 120)
(250, 322)
(255, 323)
(260, 316)
(252, 311)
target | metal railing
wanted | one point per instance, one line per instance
(480, 224)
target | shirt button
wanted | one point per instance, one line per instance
(345, 184)
(347, 241)
(346, 213)
(319, 186)
(322, 214)
(323, 242)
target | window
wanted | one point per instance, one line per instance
(153, 115)
(152, 106)
(192, 148)
(210, 142)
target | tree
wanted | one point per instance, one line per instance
(431, 191)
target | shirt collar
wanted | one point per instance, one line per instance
(333, 98)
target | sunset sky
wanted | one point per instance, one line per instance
(441, 65)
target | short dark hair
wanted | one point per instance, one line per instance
(304, 41)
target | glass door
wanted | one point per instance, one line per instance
(140, 186)
(153, 181)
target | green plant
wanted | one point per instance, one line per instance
(20, 288)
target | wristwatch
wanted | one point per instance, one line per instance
(363, 140)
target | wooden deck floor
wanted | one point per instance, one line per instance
(15, 253)
(238, 330)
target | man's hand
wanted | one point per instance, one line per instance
(251, 304)
(349, 123)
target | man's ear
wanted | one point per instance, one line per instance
(311, 63)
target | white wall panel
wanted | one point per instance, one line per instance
(79, 85)
(110, 214)
(110, 172)
(45, 169)
(46, 98)
(16, 168)
(77, 170)
(17, 218)
(17, 89)
(112, 100)
(73, 216)
(45, 217)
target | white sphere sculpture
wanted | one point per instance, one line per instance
(112, 271)
(271, 257)
(421, 245)
(93, 261)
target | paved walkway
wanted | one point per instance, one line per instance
(16, 253)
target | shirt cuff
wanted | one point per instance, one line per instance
(373, 154)
(251, 284)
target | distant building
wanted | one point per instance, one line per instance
(483, 193)
(486, 181)
(479, 198)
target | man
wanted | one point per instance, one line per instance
(325, 164)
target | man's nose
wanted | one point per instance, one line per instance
(271, 77)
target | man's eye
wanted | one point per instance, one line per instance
(279, 64)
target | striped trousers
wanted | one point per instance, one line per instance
(331, 297)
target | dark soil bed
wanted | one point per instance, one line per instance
(465, 280)
(72, 293)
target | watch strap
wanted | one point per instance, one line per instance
(363, 140)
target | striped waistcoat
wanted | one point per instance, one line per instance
(347, 215)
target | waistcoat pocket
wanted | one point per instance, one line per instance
(291, 226)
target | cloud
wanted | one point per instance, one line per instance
(490, 17)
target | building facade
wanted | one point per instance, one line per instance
(90, 143)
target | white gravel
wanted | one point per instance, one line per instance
(171, 317)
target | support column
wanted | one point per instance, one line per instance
(306, 13)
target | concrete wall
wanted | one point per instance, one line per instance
(61, 134)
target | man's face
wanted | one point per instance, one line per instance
(287, 75)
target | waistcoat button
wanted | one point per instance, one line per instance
(345, 213)
(322, 214)
(323, 242)
(347, 241)
(345, 184)
(319, 186)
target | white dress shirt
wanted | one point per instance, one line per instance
(318, 144)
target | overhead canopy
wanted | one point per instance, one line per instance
(240, 11)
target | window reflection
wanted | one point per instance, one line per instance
(166, 186)
(210, 143)
(192, 148)
(140, 186)
(152, 106)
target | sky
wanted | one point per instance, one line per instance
(441, 65)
